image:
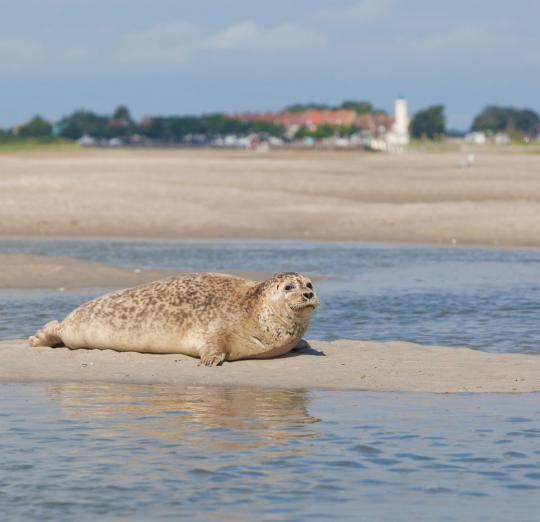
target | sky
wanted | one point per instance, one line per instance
(179, 57)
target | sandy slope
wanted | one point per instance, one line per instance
(22, 271)
(339, 365)
(315, 195)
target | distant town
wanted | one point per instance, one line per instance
(352, 124)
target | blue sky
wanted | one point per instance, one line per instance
(178, 57)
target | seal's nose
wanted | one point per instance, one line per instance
(308, 295)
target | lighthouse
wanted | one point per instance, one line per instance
(400, 129)
(401, 120)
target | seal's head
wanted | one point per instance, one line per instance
(294, 291)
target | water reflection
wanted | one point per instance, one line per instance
(116, 452)
(216, 418)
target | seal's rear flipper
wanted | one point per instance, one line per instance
(47, 336)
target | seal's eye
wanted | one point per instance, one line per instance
(288, 288)
(309, 285)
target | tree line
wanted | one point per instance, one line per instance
(359, 106)
(122, 125)
(429, 122)
(518, 123)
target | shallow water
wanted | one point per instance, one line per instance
(121, 452)
(478, 297)
(116, 452)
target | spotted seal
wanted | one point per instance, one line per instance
(213, 316)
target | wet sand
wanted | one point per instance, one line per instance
(417, 197)
(338, 365)
(24, 272)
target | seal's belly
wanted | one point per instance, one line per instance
(156, 340)
(253, 348)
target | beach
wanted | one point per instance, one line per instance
(316, 195)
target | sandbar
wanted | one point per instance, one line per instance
(27, 272)
(336, 365)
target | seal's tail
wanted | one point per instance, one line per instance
(49, 335)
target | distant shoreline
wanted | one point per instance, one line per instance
(450, 145)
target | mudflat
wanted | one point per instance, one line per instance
(325, 195)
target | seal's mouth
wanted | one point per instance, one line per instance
(304, 305)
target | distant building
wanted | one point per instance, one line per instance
(476, 138)
(87, 141)
(399, 137)
(502, 138)
(375, 123)
(481, 138)
(376, 130)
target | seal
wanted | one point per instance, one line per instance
(215, 317)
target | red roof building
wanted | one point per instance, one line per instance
(372, 122)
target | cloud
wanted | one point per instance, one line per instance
(25, 55)
(356, 13)
(482, 42)
(469, 36)
(249, 37)
(170, 43)
(17, 54)
(177, 43)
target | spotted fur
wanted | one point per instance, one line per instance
(213, 316)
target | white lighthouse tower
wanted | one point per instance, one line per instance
(397, 138)
(400, 129)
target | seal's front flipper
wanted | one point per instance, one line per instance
(212, 354)
(213, 359)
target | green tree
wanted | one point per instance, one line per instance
(155, 129)
(177, 128)
(506, 119)
(121, 124)
(429, 122)
(122, 113)
(361, 107)
(301, 133)
(37, 127)
(263, 127)
(84, 122)
(302, 107)
(324, 131)
(5, 135)
(347, 130)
